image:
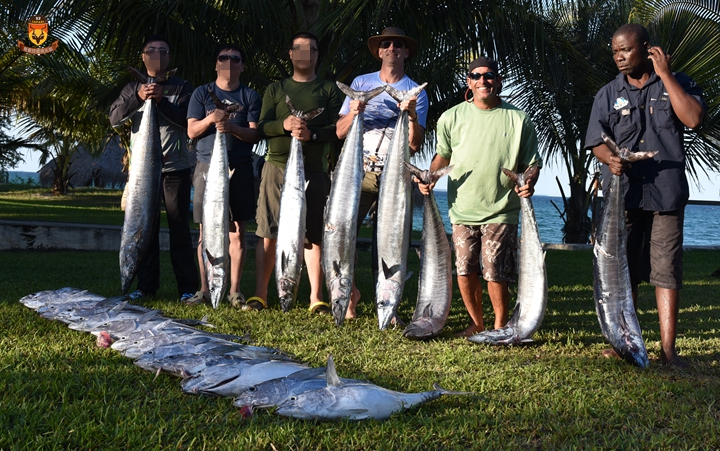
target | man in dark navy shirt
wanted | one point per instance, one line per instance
(647, 107)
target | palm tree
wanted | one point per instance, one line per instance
(574, 61)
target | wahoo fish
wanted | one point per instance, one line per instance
(216, 213)
(353, 401)
(142, 208)
(612, 288)
(291, 223)
(59, 297)
(394, 216)
(532, 292)
(341, 211)
(435, 284)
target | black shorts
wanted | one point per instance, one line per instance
(655, 247)
(242, 192)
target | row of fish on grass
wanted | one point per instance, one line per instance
(220, 364)
(617, 319)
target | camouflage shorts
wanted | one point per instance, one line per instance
(496, 243)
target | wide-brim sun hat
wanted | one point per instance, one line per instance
(392, 33)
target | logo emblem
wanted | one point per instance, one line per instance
(620, 102)
(38, 32)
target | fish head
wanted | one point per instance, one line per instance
(388, 295)
(217, 278)
(632, 349)
(287, 288)
(340, 291)
(266, 394)
(310, 405)
(421, 329)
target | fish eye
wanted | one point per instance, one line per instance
(253, 388)
(293, 398)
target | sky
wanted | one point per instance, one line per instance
(707, 187)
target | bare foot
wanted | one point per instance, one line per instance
(471, 330)
(397, 322)
(351, 312)
(673, 360)
(610, 353)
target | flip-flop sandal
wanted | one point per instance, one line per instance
(198, 298)
(237, 300)
(320, 308)
(254, 303)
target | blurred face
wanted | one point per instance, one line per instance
(630, 55)
(485, 84)
(229, 64)
(304, 54)
(156, 57)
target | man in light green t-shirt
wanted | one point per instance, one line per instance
(478, 137)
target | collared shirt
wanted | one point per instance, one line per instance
(643, 119)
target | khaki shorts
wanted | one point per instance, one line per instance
(242, 192)
(368, 195)
(655, 247)
(496, 243)
(268, 207)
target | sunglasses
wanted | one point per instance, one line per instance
(234, 58)
(398, 43)
(478, 76)
(151, 50)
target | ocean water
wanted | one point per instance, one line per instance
(701, 221)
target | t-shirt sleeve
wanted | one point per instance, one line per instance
(196, 107)
(423, 104)
(598, 122)
(254, 108)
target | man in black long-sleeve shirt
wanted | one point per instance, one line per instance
(172, 97)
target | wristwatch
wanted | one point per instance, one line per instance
(314, 136)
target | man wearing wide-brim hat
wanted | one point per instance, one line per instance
(392, 48)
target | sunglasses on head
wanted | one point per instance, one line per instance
(478, 76)
(398, 43)
(233, 58)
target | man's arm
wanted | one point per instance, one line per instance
(248, 134)
(125, 106)
(686, 107)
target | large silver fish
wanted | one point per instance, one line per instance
(233, 379)
(435, 283)
(532, 292)
(394, 216)
(353, 401)
(291, 224)
(216, 213)
(142, 208)
(612, 288)
(341, 211)
(60, 296)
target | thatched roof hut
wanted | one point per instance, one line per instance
(104, 171)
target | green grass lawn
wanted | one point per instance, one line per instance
(59, 391)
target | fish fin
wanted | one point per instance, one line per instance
(230, 174)
(394, 93)
(444, 391)
(306, 116)
(408, 275)
(427, 311)
(419, 174)
(624, 152)
(305, 374)
(165, 76)
(440, 173)
(163, 325)
(510, 174)
(216, 100)
(107, 302)
(142, 78)
(115, 310)
(148, 316)
(336, 268)
(294, 111)
(386, 270)
(331, 373)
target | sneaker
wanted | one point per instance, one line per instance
(237, 300)
(135, 295)
(195, 299)
(186, 296)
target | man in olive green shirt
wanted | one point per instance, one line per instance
(307, 92)
(478, 137)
